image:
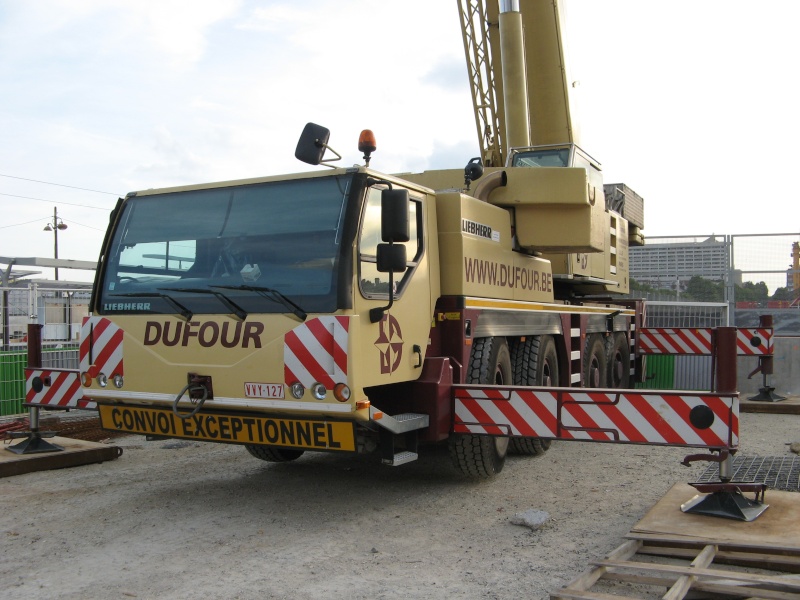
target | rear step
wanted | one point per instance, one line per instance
(405, 424)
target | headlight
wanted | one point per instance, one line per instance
(318, 391)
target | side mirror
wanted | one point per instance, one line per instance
(313, 141)
(391, 258)
(394, 215)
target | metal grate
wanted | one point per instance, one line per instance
(778, 472)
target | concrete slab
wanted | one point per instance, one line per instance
(75, 453)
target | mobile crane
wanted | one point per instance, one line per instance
(347, 310)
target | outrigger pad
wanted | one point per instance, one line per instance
(767, 394)
(35, 444)
(726, 504)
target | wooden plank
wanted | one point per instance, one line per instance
(684, 583)
(656, 539)
(584, 595)
(590, 577)
(777, 528)
(701, 572)
(75, 453)
(772, 562)
(744, 592)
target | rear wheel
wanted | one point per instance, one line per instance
(271, 454)
(535, 362)
(481, 455)
(595, 365)
(618, 356)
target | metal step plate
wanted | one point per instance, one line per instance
(402, 458)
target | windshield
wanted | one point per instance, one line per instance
(209, 250)
(551, 157)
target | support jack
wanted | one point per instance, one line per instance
(727, 501)
(724, 498)
(35, 442)
(767, 394)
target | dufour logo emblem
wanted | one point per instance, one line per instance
(390, 344)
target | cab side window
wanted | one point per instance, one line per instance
(372, 283)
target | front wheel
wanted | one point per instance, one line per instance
(271, 454)
(482, 455)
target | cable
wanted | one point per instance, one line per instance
(49, 220)
(60, 185)
(81, 224)
(25, 223)
(54, 201)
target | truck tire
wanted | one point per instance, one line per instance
(481, 455)
(595, 365)
(618, 357)
(272, 454)
(535, 362)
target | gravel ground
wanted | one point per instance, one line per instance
(177, 519)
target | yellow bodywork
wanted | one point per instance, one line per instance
(477, 259)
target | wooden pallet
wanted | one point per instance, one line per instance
(673, 555)
(660, 569)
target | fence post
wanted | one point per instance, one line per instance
(34, 346)
(725, 359)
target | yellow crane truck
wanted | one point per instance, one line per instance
(338, 310)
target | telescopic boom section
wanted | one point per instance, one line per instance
(518, 75)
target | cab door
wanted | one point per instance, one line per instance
(393, 347)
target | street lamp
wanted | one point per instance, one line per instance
(57, 224)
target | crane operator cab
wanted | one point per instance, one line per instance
(557, 155)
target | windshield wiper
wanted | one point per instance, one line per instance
(237, 310)
(180, 308)
(270, 294)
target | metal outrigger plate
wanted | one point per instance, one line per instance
(34, 444)
(727, 501)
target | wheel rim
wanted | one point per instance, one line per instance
(547, 375)
(617, 370)
(501, 443)
(594, 372)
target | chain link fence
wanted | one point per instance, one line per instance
(754, 274)
(60, 312)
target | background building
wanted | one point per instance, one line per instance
(662, 263)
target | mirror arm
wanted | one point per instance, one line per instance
(376, 314)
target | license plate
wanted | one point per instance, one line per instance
(230, 428)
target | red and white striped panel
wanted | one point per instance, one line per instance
(101, 346)
(687, 340)
(316, 352)
(659, 418)
(754, 341)
(58, 388)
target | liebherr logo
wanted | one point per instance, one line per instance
(390, 344)
(479, 229)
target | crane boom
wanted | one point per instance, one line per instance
(475, 25)
(542, 76)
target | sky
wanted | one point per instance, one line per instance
(692, 103)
